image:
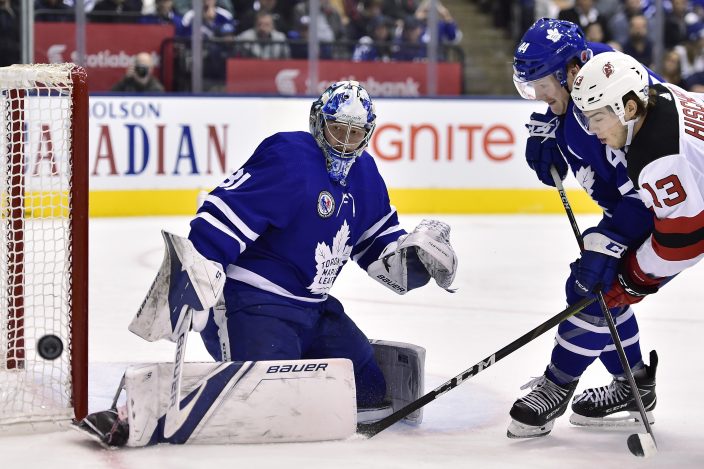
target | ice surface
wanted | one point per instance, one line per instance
(511, 278)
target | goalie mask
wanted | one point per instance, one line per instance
(600, 87)
(342, 121)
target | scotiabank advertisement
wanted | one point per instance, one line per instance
(290, 77)
(195, 142)
(109, 48)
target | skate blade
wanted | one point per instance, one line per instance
(617, 420)
(521, 430)
(87, 431)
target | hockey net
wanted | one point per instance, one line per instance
(44, 244)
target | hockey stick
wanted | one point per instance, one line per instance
(639, 444)
(371, 429)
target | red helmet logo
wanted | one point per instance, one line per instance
(578, 81)
(608, 69)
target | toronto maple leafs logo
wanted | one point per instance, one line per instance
(329, 260)
(553, 35)
(585, 177)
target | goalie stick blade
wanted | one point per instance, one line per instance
(642, 445)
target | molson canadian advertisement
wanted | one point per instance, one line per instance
(153, 155)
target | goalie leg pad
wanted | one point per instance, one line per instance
(185, 280)
(242, 402)
(403, 366)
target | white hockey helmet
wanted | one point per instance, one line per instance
(349, 104)
(604, 81)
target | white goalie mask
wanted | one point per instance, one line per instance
(342, 121)
(601, 85)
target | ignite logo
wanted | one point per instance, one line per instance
(608, 69)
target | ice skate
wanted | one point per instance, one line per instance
(106, 428)
(614, 405)
(534, 414)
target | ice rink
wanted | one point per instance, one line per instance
(511, 278)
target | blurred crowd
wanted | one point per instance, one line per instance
(270, 29)
(628, 26)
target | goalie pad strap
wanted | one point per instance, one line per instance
(243, 402)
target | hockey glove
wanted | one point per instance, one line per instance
(431, 239)
(541, 147)
(597, 266)
(631, 284)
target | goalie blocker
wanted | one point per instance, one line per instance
(254, 402)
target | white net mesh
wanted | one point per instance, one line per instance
(35, 177)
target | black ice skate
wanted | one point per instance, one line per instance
(534, 414)
(614, 405)
(106, 428)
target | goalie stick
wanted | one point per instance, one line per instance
(371, 429)
(639, 444)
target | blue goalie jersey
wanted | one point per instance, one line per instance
(281, 225)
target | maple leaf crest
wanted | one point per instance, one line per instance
(585, 177)
(553, 35)
(329, 260)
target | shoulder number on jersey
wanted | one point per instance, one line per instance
(235, 181)
(671, 187)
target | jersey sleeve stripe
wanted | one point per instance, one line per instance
(376, 227)
(232, 217)
(389, 230)
(215, 223)
(680, 225)
(678, 250)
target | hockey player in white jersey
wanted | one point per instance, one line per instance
(281, 228)
(662, 129)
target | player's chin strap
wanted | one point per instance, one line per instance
(402, 269)
(630, 125)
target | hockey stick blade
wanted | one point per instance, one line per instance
(371, 429)
(642, 444)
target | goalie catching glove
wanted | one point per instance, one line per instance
(413, 259)
(186, 280)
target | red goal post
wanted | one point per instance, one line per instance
(44, 243)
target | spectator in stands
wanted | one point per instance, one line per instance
(691, 52)
(594, 32)
(583, 13)
(377, 45)
(400, 9)
(410, 47)
(620, 22)
(139, 77)
(298, 40)
(116, 11)
(217, 22)
(639, 46)
(52, 11)
(9, 33)
(164, 13)
(448, 32)
(247, 19)
(671, 70)
(330, 27)
(263, 41)
(218, 30)
(676, 23)
(182, 6)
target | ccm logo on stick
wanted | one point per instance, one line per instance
(296, 368)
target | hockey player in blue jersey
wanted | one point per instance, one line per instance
(548, 58)
(281, 228)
